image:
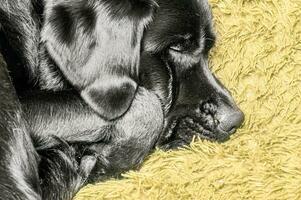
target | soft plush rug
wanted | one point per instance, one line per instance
(258, 57)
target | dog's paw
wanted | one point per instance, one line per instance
(62, 172)
(86, 166)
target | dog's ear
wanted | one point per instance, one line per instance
(111, 97)
(97, 46)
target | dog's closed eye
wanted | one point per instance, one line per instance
(209, 43)
(183, 44)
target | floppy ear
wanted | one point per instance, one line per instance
(97, 45)
(111, 97)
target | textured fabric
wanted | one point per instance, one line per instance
(258, 57)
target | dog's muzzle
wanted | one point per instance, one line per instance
(204, 108)
(209, 120)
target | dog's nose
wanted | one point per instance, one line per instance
(232, 121)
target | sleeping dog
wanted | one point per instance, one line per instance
(63, 121)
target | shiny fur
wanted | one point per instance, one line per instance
(52, 140)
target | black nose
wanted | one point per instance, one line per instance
(232, 121)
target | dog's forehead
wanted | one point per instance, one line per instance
(179, 18)
(193, 12)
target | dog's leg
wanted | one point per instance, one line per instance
(63, 115)
(62, 175)
(137, 133)
(120, 145)
(18, 158)
(19, 179)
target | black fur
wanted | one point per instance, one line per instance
(142, 65)
(83, 51)
(135, 9)
(62, 21)
(180, 40)
(19, 160)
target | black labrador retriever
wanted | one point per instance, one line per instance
(89, 88)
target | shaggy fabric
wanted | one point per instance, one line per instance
(258, 57)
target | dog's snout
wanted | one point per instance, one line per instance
(231, 121)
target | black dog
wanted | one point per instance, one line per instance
(52, 143)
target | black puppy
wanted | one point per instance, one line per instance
(178, 98)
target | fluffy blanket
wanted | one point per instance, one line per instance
(258, 57)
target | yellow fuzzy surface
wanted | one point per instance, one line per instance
(258, 57)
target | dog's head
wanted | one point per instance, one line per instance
(174, 64)
(92, 40)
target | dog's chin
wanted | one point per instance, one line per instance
(188, 128)
(200, 123)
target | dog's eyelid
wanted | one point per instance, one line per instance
(183, 43)
(209, 42)
(177, 47)
(211, 39)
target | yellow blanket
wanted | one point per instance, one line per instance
(258, 57)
